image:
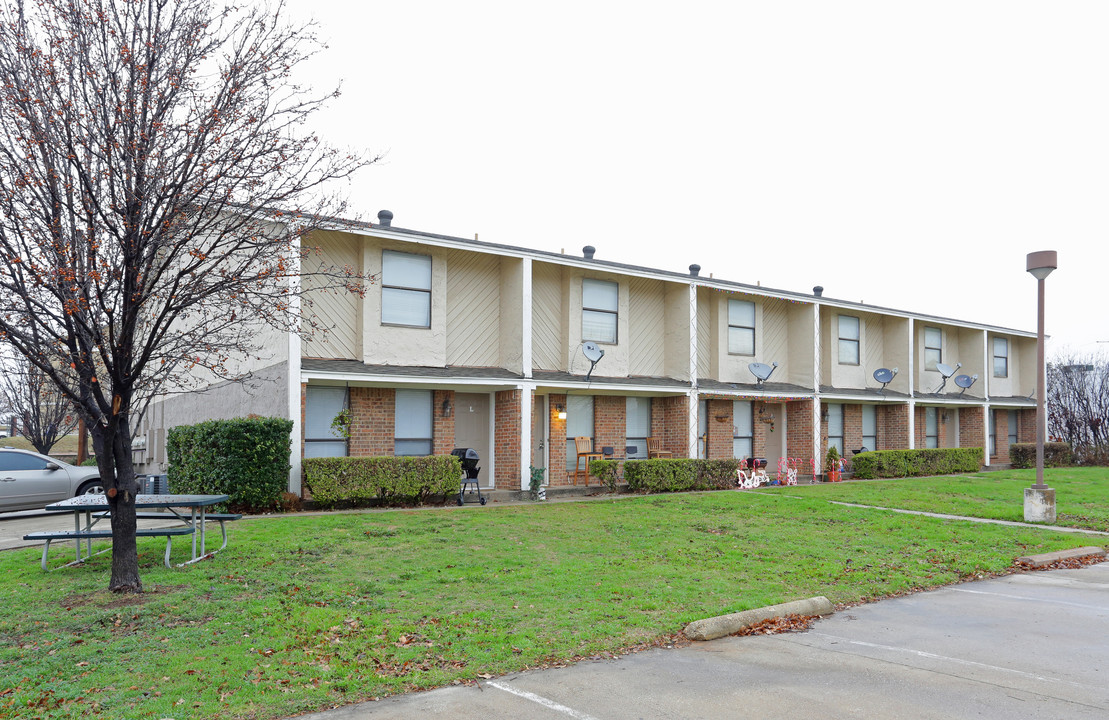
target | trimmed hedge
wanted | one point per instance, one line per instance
(915, 463)
(1056, 454)
(246, 458)
(673, 475)
(393, 480)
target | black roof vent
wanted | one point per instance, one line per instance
(385, 218)
(818, 291)
(588, 251)
(694, 269)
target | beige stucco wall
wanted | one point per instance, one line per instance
(389, 345)
(647, 327)
(511, 324)
(677, 331)
(802, 320)
(615, 362)
(338, 312)
(547, 317)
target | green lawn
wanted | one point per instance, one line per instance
(305, 611)
(1081, 494)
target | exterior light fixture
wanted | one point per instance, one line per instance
(1039, 500)
(561, 411)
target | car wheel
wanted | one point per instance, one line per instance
(92, 487)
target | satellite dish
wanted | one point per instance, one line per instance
(761, 371)
(593, 353)
(965, 381)
(947, 371)
(885, 376)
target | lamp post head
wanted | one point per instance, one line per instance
(1041, 263)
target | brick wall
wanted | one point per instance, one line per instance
(372, 421)
(1026, 425)
(799, 431)
(506, 439)
(972, 426)
(719, 426)
(893, 427)
(557, 472)
(852, 429)
(670, 423)
(442, 437)
(610, 423)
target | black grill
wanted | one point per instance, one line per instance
(469, 459)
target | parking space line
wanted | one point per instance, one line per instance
(1030, 599)
(540, 700)
(946, 658)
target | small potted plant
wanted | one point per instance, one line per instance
(832, 471)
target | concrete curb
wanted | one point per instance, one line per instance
(1053, 557)
(721, 625)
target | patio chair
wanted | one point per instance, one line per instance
(584, 447)
(654, 449)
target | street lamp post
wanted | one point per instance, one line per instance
(1039, 500)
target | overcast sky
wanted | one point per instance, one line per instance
(907, 155)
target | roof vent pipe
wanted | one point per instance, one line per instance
(818, 291)
(385, 218)
(588, 251)
(694, 270)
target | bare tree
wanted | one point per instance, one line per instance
(1078, 405)
(156, 179)
(43, 413)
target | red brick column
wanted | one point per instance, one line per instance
(971, 426)
(719, 423)
(893, 427)
(556, 473)
(799, 432)
(373, 412)
(920, 429)
(442, 431)
(671, 424)
(610, 423)
(506, 439)
(1026, 424)
(852, 428)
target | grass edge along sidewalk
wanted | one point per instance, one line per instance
(305, 612)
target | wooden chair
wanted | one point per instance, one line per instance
(584, 446)
(654, 449)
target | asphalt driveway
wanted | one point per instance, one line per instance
(1023, 646)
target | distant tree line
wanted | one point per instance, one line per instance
(1078, 405)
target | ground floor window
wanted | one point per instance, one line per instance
(579, 423)
(321, 405)
(743, 429)
(993, 433)
(638, 426)
(702, 429)
(1013, 428)
(835, 427)
(931, 428)
(870, 427)
(412, 435)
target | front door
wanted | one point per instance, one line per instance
(539, 436)
(471, 430)
(775, 435)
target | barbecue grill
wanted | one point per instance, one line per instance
(469, 459)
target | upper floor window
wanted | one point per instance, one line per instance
(741, 327)
(600, 302)
(933, 347)
(405, 289)
(848, 340)
(1000, 357)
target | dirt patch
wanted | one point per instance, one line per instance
(110, 600)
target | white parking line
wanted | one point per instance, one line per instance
(540, 700)
(945, 658)
(1030, 599)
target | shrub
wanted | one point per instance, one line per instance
(676, 475)
(246, 458)
(608, 471)
(1056, 454)
(914, 463)
(393, 480)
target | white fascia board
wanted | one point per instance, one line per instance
(755, 395)
(359, 380)
(608, 389)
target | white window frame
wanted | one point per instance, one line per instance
(993, 433)
(598, 312)
(579, 416)
(739, 332)
(320, 440)
(403, 416)
(631, 405)
(388, 288)
(870, 440)
(836, 416)
(1014, 427)
(933, 354)
(852, 344)
(1003, 357)
(931, 427)
(743, 429)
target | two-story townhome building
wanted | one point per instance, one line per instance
(461, 343)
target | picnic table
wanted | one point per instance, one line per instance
(189, 510)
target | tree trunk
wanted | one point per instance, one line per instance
(118, 475)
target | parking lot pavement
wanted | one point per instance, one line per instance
(1022, 646)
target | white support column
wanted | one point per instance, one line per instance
(912, 384)
(525, 321)
(987, 426)
(292, 368)
(525, 433)
(691, 425)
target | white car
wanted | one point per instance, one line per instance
(29, 480)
